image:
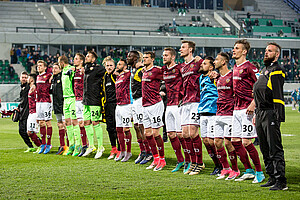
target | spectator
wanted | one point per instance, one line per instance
(11, 71)
(248, 15)
(85, 51)
(294, 95)
(290, 75)
(186, 7)
(45, 56)
(256, 22)
(13, 56)
(254, 56)
(19, 52)
(269, 23)
(172, 6)
(103, 53)
(176, 5)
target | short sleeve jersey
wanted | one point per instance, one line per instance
(225, 101)
(151, 86)
(43, 87)
(123, 88)
(173, 82)
(243, 80)
(32, 100)
(67, 82)
(78, 85)
(190, 77)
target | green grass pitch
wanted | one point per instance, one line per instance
(31, 176)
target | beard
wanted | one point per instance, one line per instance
(203, 72)
(268, 61)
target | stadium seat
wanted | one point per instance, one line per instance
(198, 18)
(193, 18)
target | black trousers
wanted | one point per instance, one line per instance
(110, 111)
(23, 132)
(268, 131)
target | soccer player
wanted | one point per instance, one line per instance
(72, 126)
(32, 125)
(58, 104)
(123, 110)
(207, 109)
(153, 110)
(134, 62)
(110, 105)
(223, 120)
(78, 92)
(43, 106)
(93, 100)
(269, 101)
(173, 84)
(242, 128)
(190, 118)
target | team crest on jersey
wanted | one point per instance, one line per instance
(192, 65)
(266, 72)
(44, 76)
(174, 70)
(58, 81)
(150, 73)
(241, 71)
(91, 68)
(227, 80)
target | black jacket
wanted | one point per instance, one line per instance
(136, 82)
(268, 90)
(24, 106)
(57, 94)
(93, 93)
(110, 88)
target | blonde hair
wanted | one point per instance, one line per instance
(43, 62)
(108, 58)
(140, 59)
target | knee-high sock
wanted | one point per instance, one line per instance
(146, 144)
(212, 152)
(128, 138)
(76, 130)
(43, 132)
(190, 149)
(141, 145)
(254, 156)
(121, 138)
(242, 153)
(197, 144)
(61, 133)
(99, 134)
(233, 160)
(49, 135)
(90, 134)
(70, 133)
(83, 136)
(177, 148)
(222, 156)
(35, 139)
(152, 145)
(160, 146)
(185, 150)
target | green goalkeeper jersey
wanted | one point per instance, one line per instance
(67, 81)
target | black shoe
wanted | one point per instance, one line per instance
(165, 137)
(279, 186)
(60, 150)
(140, 158)
(83, 150)
(146, 159)
(271, 182)
(217, 170)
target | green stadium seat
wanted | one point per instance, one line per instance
(198, 18)
(200, 30)
(193, 18)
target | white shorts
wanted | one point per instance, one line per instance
(223, 127)
(44, 111)
(137, 111)
(123, 116)
(242, 126)
(32, 124)
(172, 119)
(60, 117)
(189, 114)
(153, 115)
(79, 110)
(207, 126)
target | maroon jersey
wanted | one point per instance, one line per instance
(43, 87)
(190, 77)
(151, 85)
(225, 100)
(78, 85)
(32, 100)
(173, 82)
(243, 81)
(123, 88)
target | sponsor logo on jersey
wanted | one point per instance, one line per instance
(169, 77)
(187, 73)
(236, 78)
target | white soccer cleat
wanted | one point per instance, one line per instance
(99, 152)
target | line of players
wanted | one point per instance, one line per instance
(222, 106)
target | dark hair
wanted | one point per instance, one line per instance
(24, 73)
(225, 56)
(275, 44)
(191, 44)
(33, 76)
(245, 43)
(94, 54)
(81, 56)
(256, 64)
(211, 60)
(136, 53)
(172, 51)
(152, 54)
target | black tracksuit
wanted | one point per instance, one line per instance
(24, 112)
(110, 108)
(57, 94)
(269, 101)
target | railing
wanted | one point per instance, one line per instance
(293, 5)
(264, 16)
(85, 31)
